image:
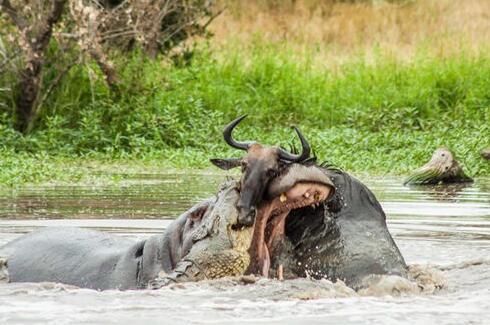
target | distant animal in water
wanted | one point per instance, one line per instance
(441, 169)
(485, 153)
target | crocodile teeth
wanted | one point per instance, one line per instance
(283, 198)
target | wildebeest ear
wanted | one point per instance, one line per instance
(309, 161)
(226, 163)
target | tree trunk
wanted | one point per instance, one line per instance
(29, 85)
(33, 45)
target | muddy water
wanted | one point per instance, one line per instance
(443, 232)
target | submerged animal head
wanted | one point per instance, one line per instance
(259, 166)
(442, 168)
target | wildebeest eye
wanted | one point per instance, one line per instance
(271, 173)
(244, 166)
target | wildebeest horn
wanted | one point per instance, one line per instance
(229, 139)
(305, 153)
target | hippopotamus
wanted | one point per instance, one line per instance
(337, 230)
(200, 243)
(345, 237)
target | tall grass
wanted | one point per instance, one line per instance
(340, 28)
(376, 86)
(380, 115)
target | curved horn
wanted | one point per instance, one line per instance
(305, 153)
(229, 139)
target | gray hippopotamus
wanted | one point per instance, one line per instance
(341, 235)
(344, 238)
(201, 243)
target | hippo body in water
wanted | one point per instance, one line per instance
(345, 238)
(75, 256)
(199, 243)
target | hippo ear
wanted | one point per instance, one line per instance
(227, 163)
(198, 213)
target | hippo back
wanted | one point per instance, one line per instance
(73, 256)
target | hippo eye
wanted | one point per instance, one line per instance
(197, 215)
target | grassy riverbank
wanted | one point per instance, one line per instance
(369, 110)
(354, 151)
(381, 116)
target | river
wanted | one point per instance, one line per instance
(443, 233)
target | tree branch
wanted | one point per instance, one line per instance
(8, 59)
(213, 17)
(18, 20)
(42, 39)
(57, 80)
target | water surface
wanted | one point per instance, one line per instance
(446, 227)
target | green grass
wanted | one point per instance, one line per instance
(381, 117)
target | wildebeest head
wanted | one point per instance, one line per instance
(259, 166)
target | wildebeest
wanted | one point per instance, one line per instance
(345, 237)
(259, 165)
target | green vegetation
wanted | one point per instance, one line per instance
(378, 115)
